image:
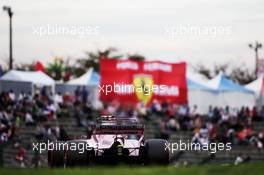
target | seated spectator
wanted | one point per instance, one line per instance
(77, 93)
(85, 94)
(173, 124)
(255, 141)
(12, 95)
(141, 109)
(58, 99)
(193, 111)
(21, 156)
(29, 120)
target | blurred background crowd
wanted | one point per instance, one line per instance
(218, 125)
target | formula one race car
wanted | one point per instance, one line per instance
(112, 141)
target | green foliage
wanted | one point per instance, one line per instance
(237, 74)
(25, 66)
(56, 68)
(136, 57)
(92, 59)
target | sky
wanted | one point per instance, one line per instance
(205, 32)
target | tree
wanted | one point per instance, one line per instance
(203, 70)
(237, 74)
(92, 59)
(136, 57)
(25, 66)
(56, 68)
(242, 76)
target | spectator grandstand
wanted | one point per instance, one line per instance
(25, 119)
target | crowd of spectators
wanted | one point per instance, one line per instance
(218, 125)
(23, 108)
(35, 110)
(26, 109)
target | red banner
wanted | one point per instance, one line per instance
(134, 81)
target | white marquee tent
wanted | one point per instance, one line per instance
(256, 86)
(27, 81)
(198, 92)
(89, 78)
(230, 93)
(199, 95)
(36, 78)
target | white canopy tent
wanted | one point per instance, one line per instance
(90, 80)
(256, 86)
(229, 93)
(199, 93)
(82, 80)
(37, 78)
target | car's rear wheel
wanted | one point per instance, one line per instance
(56, 156)
(78, 156)
(156, 152)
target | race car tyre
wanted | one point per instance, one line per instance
(56, 156)
(76, 157)
(156, 152)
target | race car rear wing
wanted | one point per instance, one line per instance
(116, 132)
(113, 125)
(119, 129)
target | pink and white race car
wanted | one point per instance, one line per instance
(112, 141)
